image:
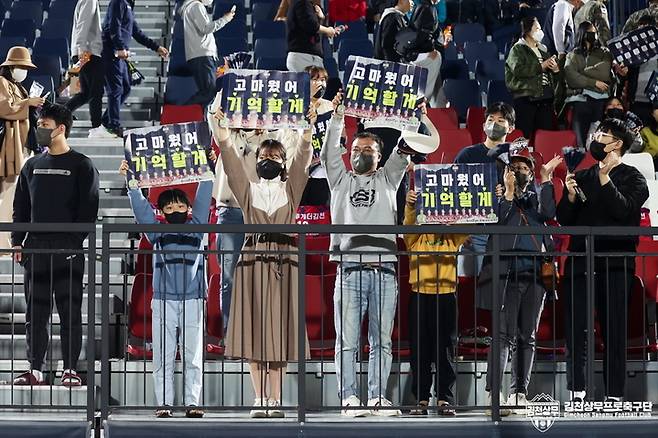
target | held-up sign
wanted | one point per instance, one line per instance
(376, 89)
(455, 193)
(636, 47)
(260, 99)
(168, 154)
(651, 91)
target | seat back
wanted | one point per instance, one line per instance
(139, 313)
(57, 27)
(179, 89)
(9, 42)
(480, 51)
(172, 114)
(25, 28)
(462, 94)
(270, 48)
(53, 46)
(214, 317)
(497, 92)
(28, 10)
(452, 141)
(271, 64)
(49, 65)
(269, 29)
(443, 118)
(355, 47)
(454, 69)
(263, 11)
(474, 123)
(468, 32)
(226, 46)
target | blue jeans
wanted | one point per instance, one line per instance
(232, 243)
(117, 88)
(473, 255)
(356, 291)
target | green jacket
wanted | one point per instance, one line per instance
(582, 72)
(523, 73)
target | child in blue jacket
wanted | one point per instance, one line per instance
(179, 291)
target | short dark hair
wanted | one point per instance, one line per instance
(276, 145)
(60, 114)
(369, 135)
(505, 109)
(172, 195)
(618, 129)
(646, 19)
(314, 70)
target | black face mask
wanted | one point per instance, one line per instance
(268, 169)
(362, 163)
(521, 180)
(318, 94)
(615, 113)
(44, 136)
(177, 217)
(596, 148)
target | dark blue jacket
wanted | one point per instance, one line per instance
(120, 27)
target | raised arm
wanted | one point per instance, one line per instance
(202, 199)
(298, 172)
(330, 155)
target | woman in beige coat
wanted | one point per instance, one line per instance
(14, 116)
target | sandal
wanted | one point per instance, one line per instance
(421, 408)
(70, 379)
(445, 410)
(194, 413)
(163, 413)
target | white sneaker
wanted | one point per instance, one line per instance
(272, 410)
(518, 399)
(353, 401)
(261, 403)
(101, 132)
(381, 402)
(503, 412)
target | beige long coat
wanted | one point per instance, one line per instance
(14, 109)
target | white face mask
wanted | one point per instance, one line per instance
(207, 3)
(19, 74)
(537, 35)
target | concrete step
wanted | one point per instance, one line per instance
(54, 395)
(110, 202)
(16, 346)
(107, 162)
(81, 126)
(131, 101)
(125, 213)
(92, 149)
(126, 113)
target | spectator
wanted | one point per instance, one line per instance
(501, 17)
(529, 72)
(596, 13)
(200, 47)
(374, 11)
(119, 28)
(614, 109)
(347, 10)
(559, 28)
(500, 119)
(521, 293)
(179, 291)
(588, 70)
(639, 76)
(441, 12)
(432, 313)
(60, 185)
(305, 35)
(15, 105)
(650, 135)
(614, 194)
(282, 11)
(263, 321)
(633, 22)
(392, 21)
(86, 48)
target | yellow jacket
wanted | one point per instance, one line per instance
(431, 273)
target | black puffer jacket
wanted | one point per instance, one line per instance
(425, 21)
(392, 22)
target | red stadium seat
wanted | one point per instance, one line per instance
(320, 315)
(641, 331)
(474, 324)
(214, 319)
(181, 114)
(517, 133)
(550, 143)
(443, 118)
(139, 317)
(318, 263)
(452, 141)
(474, 123)
(550, 334)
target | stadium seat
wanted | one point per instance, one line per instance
(179, 89)
(55, 46)
(450, 52)
(19, 28)
(172, 114)
(550, 143)
(320, 315)
(443, 118)
(27, 10)
(263, 12)
(468, 32)
(177, 63)
(473, 324)
(226, 46)
(480, 51)
(269, 29)
(214, 319)
(318, 263)
(517, 133)
(489, 70)
(642, 162)
(475, 122)
(640, 343)
(8, 43)
(356, 30)
(48, 65)
(56, 28)
(551, 340)
(353, 47)
(139, 314)
(268, 48)
(332, 67)
(454, 69)
(497, 92)
(221, 7)
(179, 29)
(271, 64)
(461, 94)
(452, 141)
(62, 9)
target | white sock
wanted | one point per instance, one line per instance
(38, 374)
(69, 372)
(576, 394)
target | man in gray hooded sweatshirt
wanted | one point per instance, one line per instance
(200, 47)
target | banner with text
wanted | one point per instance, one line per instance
(635, 47)
(168, 154)
(455, 193)
(384, 90)
(260, 99)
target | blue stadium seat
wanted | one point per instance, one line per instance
(271, 64)
(486, 71)
(356, 30)
(54, 46)
(48, 65)
(497, 92)
(269, 29)
(62, 9)
(353, 47)
(454, 69)
(235, 29)
(331, 67)
(27, 10)
(8, 43)
(226, 46)
(179, 89)
(221, 7)
(462, 93)
(474, 52)
(263, 12)
(19, 28)
(255, 2)
(57, 28)
(267, 48)
(177, 63)
(450, 52)
(468, 32)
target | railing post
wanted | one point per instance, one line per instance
(301, 330)
(495, 327)
(589, 364)
(105, 325)
(91, 325)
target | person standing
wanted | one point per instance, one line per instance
(60, 185)
(119, 28)
(596, 13)
(633, 22)
(86, 49)
(304, 35)
(200, 47)
(559, 28)
(614, 194)
(392, 21)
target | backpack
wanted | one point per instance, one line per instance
(405, 44)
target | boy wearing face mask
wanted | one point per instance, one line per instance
(614, 193)
(521, 294)
(179, 290)
(200, 47)
(60, 185)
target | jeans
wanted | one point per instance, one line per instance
(91, 90)
(356, 291)
(473, 255)
(117, 88)
(232, 243)
(168, 316)
(203, 68)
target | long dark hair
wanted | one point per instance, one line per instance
(581, 44)
(526, 25)
(274, 145)
(5, 72)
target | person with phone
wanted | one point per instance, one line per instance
(304, 34)
(200, 46)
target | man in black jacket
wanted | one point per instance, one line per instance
(392, 21)
(304, 35)
(614, 193)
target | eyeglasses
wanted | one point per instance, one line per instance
(599, 135)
